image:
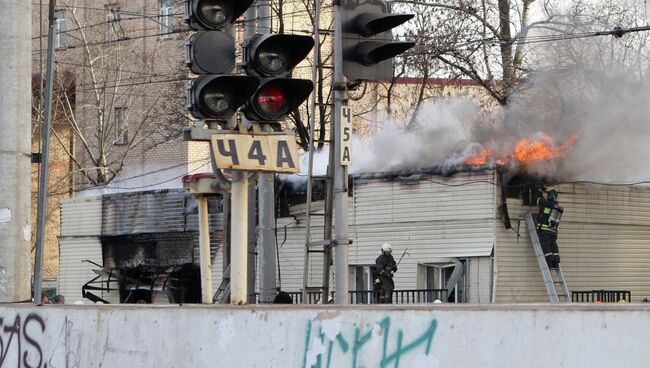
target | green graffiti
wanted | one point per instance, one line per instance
(340, 347)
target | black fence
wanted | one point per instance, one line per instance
(602, 296)
(370, 297)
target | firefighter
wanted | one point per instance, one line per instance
(548, 220)
(385, 266)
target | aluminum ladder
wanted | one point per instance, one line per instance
(556, 287)
(222, 295)
(322, 247)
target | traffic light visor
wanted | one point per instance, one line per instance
(370, 24)
(214, 14)
(219, 96)
(373, 52)
(275, 55)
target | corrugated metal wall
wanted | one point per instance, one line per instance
(75, 273)
(81, 216)
(143, 212)
(434, 217)
(604, 242)
(85, 220)
(81, 220)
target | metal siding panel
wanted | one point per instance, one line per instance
(143, 212)
(462, 225)
(81, 216)
(73, 272)
(462, 196)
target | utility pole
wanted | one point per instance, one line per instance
(340, 171)
(266, 196)
(41, 205)
(15, 149)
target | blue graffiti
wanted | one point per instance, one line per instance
(392, 353)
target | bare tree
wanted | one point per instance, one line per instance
(128, 97)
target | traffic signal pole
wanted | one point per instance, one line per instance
(340, 171)
(266, 196)
(15, 150)
(239, 267)
(239, 234)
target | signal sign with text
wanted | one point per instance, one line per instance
(268, 153)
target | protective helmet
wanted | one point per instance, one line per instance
(386, 247)
(552, 195)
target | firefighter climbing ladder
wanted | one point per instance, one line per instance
(553, 278)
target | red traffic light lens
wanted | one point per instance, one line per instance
(272, 101)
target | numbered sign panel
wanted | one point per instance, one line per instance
(346, 135)
(270, 153)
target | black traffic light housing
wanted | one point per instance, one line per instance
(276, 97)
(271, 57)
(210, 53)
(214, 14)
(218, 97)
(275, 54)
(202, 48)
(368, 46)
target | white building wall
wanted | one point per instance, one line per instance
(433, 218)
(603, 241)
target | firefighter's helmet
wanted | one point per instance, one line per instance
(386, 247)
(552, 195)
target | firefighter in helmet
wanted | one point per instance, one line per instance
(548, 220)
(385, 267)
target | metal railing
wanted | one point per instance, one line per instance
(370, 297)
(602, 296)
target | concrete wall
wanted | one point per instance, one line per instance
(439, 336)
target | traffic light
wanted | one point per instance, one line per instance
(210, 53)
(368, 46)
(272, 58)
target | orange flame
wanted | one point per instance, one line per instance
(481, 158)
(526, 151)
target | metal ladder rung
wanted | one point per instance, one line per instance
(322, 243)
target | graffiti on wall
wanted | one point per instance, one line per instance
(329, 344)
(20, 341)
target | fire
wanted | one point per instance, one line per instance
(543, 149)
(481, 158)
(526, 151)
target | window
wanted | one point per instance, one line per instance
(166, 18)
(115, 31)
(60, 29)
(361, 283)
(120, 126)
(451, 276)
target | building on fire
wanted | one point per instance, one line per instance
(469, 220)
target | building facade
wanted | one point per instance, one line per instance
(461, 231)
